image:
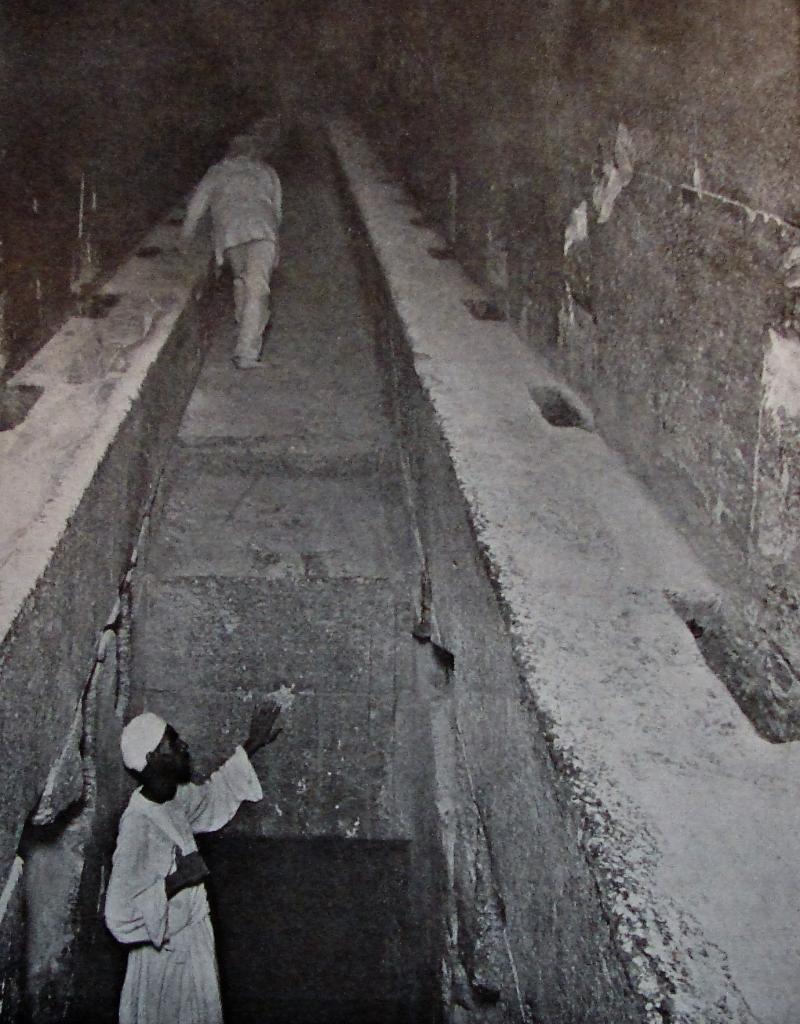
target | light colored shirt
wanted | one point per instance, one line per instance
(245, 200)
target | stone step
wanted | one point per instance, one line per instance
(232, 513)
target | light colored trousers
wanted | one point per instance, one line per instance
(252, 264)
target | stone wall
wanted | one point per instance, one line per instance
(622, 178)
(108, 113)
(526, 936)
(528, 939)
(82, 465)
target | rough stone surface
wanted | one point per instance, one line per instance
(12, 966)
(619, 178)
(96, 961)
(660, 794)
(64, 785)
(54, 864)
(86, 166)
(67, 846)
(216, 524)
(228, 643)
(77, 473)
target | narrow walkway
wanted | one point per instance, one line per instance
(281, 553)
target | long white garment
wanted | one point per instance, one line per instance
(172, 969)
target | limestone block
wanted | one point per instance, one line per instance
(64, 785)
(54, 863)
(80, 468)
(12, 949)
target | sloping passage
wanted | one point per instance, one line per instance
(281, 554)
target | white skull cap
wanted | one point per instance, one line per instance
(140, 737)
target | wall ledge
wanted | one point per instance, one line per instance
(78, 466)
(90, 374)
(687, 818)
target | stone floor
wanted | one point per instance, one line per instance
(281, 553)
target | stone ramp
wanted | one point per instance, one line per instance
(281, 546)
(281, 552)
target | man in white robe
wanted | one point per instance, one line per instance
(243, 193)
(156, 901)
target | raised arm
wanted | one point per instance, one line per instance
(211, 805)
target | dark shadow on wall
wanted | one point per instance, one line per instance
(314, 930)
(109, 112)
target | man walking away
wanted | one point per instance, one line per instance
(156, 901)
(243, 194)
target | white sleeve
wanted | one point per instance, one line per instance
(213, 804)
(136, 907)
(198, 204)
(278, 194)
